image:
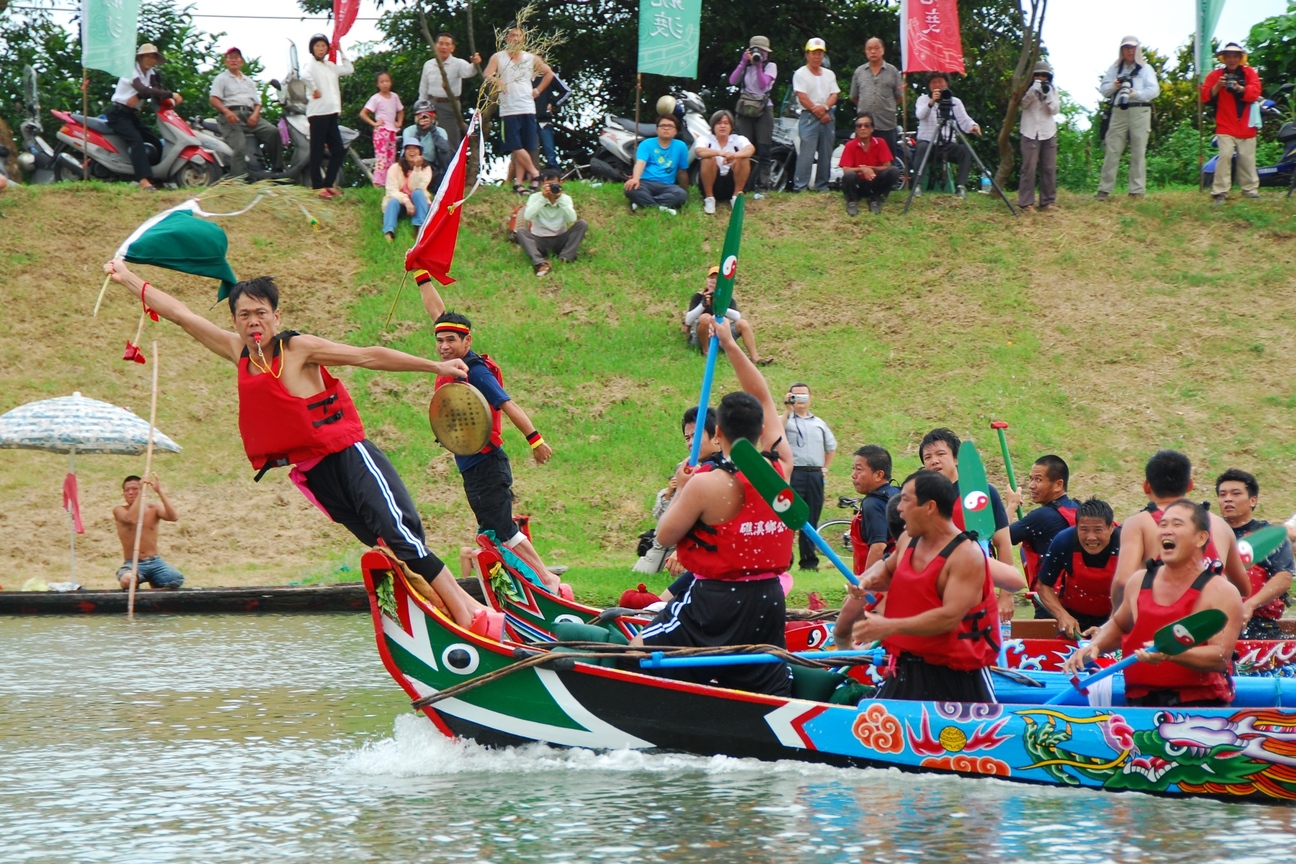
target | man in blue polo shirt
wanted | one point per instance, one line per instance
(660, 176)
(487, 475)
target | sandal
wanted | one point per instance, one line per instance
(520, 189)
(765, 361)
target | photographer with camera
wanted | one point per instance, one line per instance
(701, 316)
(937, 112)
(550, 224)
(813, 447)
(754, 113)
(875, 89)
(1233, 91)
(1131, 85)
(1039, 108)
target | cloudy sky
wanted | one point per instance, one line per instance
(1082, 35)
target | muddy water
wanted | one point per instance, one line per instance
(282, 738)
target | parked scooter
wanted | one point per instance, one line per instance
(786, 143)
(38, 157)
(615, 157)
(295, 130)
(183, 162)
(1282, 173)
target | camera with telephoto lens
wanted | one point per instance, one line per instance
(1045, 86)
(1124, 84)
(757, 57)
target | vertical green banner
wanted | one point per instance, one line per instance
(1208, 14)
(108, 32)
(668, 37)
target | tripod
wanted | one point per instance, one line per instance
(947, 133)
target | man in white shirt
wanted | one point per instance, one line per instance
(1039, 108)
(1131, 85)
(813, 447)
(816, 89)
(724, 161)
(124, 113)
(551, 224)
(933, 110)
(238, 102)
(432, 86)
(512, 71)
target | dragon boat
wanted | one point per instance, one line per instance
(502, 694)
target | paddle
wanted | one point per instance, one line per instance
(781, 498)
(659, 661)
(999, 426)
(1172, 639)
(719, 306)
(978, 515)
(1259, 545)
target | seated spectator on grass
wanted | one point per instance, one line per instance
(868, 168)
(407, 188)
(660, 177)
(436, 144)
(725, 161)
(550, 224)
(698, 319)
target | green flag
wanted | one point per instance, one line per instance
(108, 33)
(1208, 15)
(668, 37)
(178, 239)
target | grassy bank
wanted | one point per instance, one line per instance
(1100, 332)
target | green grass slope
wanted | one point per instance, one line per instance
(1100, 332)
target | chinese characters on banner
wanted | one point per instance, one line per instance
(929, 36)
(668, 37)
(108, 31)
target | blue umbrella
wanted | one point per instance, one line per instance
(74, 424)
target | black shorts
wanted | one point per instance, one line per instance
(489, 487)
(916, 680)
(359, 489)
(712, 613)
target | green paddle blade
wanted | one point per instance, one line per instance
(974, 490)
(729, 260)
(1189, 632)
(785, 503)
(1259, 545)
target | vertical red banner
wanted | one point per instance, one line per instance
(344, 15)
(929, 36)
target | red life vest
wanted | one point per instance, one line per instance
(497, 417)
(281, 429)
(1210, 553)
(1274, 609)
(1143, 678)
(859, 548)
(1086, 590)
(974, 644)
(1031, 558)
(753, 542)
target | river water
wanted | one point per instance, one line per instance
(280, 738)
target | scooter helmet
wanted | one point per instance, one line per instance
(318, 37)
(423, 106)
(665, 105)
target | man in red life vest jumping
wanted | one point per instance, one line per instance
(293, 412)
(1181, 583)
(487, 476)
(732, 542)
(1238, 493)
(1168, 478)
(941, 627)
(1075, 575)
(1055, 513)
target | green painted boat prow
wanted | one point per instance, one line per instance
(1189, 632)
(974, 489)
(785, 503)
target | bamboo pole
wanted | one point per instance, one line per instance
(148, 467)
(85, 135)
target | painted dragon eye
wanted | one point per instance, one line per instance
(1175, 749)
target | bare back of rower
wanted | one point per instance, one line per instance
(1140, 541)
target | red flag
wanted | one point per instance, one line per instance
(70, 502)
(344, 15)
(434, 248)
(929, 36)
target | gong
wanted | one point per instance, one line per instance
(460, 418)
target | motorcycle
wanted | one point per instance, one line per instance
(786, 144)
(183, 162)
(38, 157)
(615, 157)
(1283, 173)
(294, 130)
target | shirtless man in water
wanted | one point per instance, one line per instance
(1168, 478)
(291, 411)
(152, 569)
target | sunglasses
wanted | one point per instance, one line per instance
(863, 125)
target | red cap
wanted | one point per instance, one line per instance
(232, 50)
